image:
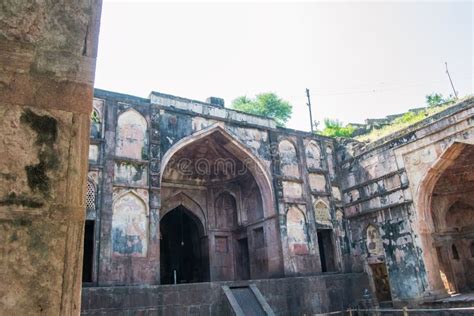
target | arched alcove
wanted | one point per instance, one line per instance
(297, 232)
(374, 242)
(313, 155)
(225, 208)
(288, 159)
(131, 135)
(129, 225)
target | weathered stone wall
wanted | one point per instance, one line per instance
(289, 296)
(125, 151)
(382, 184)
(47, 64)
(135, 143)
(308, 197)
(302, 209)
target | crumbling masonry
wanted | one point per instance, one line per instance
(182, 191)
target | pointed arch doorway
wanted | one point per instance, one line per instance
(223, 184)
(182, 247)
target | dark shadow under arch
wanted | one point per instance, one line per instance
(183, 248)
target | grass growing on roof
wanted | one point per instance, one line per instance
(400, 123)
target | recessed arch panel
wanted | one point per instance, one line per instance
(131, 135)
(129, 225)
(297, 233)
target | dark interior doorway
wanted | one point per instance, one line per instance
(381, 282)
(88, 256)
(326, 250)
(181, 250)
(243, 259)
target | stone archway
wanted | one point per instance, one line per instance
(446, 203)
(182, 248)
(228, 188)
(256, 167)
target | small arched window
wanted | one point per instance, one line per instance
(455, 252)
(96, 124)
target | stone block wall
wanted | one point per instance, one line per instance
(288, 296)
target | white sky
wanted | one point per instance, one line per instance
(359, 60)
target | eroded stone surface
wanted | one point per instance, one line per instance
(358, 209)
(46, 72)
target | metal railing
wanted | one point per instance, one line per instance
(405, 311)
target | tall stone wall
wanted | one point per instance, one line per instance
(381, 187)
(133, 140)
(47, 65)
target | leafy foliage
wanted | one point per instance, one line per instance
(436, 99)
(335, 128)
(265, 104)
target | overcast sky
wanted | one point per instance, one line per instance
(359, 60)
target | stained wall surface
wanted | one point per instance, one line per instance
(47, 65)
(388, 191)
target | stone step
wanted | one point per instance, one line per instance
(247, 300)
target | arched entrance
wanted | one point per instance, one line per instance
(228, 189)
(181, 251)
(447, 220)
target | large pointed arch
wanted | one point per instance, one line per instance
(256, 167)
(426, 186)
(425, 216)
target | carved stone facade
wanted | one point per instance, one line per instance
(193, 192)
(232, 191)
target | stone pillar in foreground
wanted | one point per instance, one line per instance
(47, 66)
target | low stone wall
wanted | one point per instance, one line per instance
(288, 296)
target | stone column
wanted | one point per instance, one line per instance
(47, 66)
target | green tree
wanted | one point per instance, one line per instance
(265, 104)
(436, 99)
(335, 128)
